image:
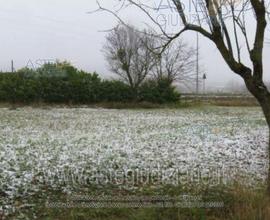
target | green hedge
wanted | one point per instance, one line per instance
(158, 91)
(57, 83)
(17, 87)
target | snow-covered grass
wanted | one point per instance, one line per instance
(64, 148)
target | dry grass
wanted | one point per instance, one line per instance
(232, 101)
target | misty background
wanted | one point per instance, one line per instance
(45, 30)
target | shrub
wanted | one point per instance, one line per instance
(158, 91)
(115, 91)
(16, 87)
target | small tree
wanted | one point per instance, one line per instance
(128, 56)
(176, 64)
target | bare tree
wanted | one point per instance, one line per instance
(128, 55)
(176, 64)
(224, 23)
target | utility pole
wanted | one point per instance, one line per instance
(197, 65)
(12, 66)
(204, 79)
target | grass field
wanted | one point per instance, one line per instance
(57, 152)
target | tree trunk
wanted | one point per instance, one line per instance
(262, 95)
(266, 110)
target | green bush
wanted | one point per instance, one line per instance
(16, 87)
(158, 91)
(115, 91)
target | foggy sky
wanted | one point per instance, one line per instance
(35, 30)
